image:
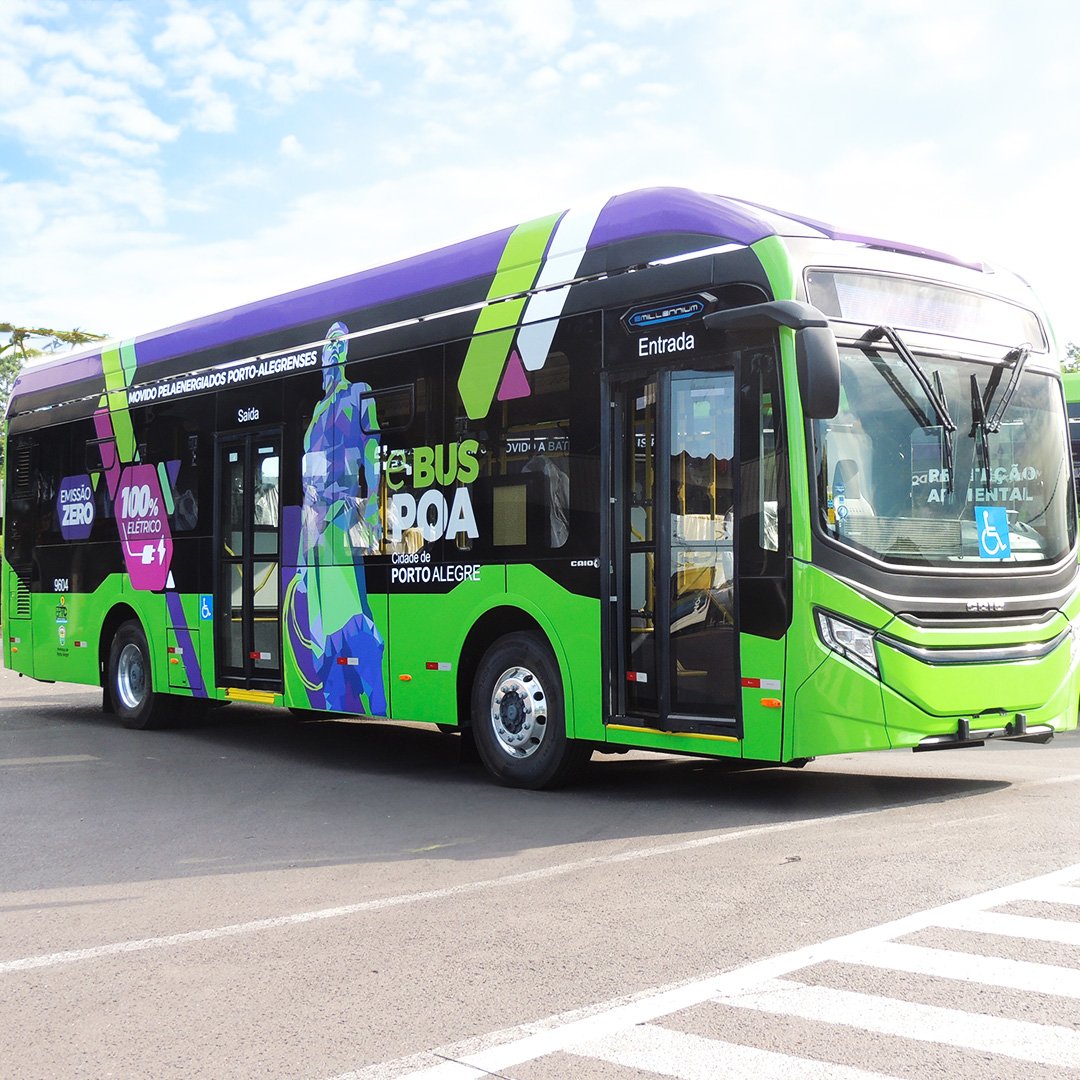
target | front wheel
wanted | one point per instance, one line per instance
(130, 682)
(518, 716)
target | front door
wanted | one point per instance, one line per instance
(248, 597)
(675, 657)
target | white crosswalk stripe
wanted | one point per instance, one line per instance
(969, 967)
(643, 1034)
(690, 1057)
(1018, 1039)
(1021, 926)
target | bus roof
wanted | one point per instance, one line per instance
(693, 220)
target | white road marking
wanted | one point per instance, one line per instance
(71, 956)
(1019, 1039)
(871, 947)
(691, 1057)
(1019, 926)
(1060, 894)
(57, 759)
(967, 967)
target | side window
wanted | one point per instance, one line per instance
(538, 464)
(393, 409)
(763, 472)
(170, 439)
(51, 464)
(527, 462)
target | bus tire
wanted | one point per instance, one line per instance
(518, 716)
(131, 682)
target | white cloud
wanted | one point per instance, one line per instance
(78, 90)
(213, 110)
(537, 29)
(290, 147)
(636, 14)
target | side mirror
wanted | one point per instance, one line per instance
(817, 361)
(817, 364)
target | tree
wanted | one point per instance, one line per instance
(1072, 357)
(24, 343)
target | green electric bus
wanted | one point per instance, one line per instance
(674, 472)
(1071, 380)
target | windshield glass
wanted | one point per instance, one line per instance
(895, 482)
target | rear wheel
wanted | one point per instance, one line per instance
(131, 684)
(518, 716)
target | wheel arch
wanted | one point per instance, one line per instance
(117, 616)
(493, 624)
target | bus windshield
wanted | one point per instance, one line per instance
(895, 482)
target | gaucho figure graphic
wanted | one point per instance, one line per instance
(336, 643)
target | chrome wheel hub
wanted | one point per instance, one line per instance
(131, 681)
(519, 712)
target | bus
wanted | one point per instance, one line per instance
(1071, 380)
(673, 472)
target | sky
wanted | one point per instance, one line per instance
(161, 160)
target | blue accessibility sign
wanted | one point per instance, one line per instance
(992, 523)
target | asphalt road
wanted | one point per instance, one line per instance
(254, 897)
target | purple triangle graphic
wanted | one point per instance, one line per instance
(173, 469)
(514, 384)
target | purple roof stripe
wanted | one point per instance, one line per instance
(379, 285)
(421, 273)
(75, 369)
(834, 233)
(659, 210)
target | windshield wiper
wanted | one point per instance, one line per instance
(934, 391)
(1021, 352)
(979, 427)
(905, 354)
(980, 402)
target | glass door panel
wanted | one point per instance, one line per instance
(249, 601)
(702, 504)
(674, 549)
(639, 441)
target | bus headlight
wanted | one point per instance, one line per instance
(854, 643)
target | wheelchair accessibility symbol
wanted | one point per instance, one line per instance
(206, 606)
(992, 523)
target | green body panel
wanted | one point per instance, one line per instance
(1071, 609)
(19, 645)
(763, 725)
(973, 689)
(432, 628)
(773, 254)
(908, 724)
(572, 624)
(202, 641)
(1071, 379)
(838, 710)
(178, 676)
(60, 622)
(775, 260)
(83, 618)
(836, 706)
